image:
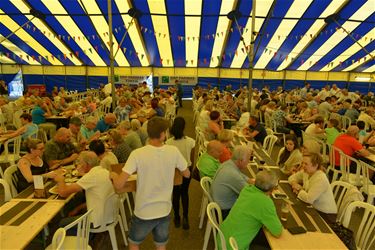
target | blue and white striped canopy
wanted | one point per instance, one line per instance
(190, 33)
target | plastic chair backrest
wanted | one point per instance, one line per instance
(58, 239)
(16, 118)
(42, 135)
(112, 202)
(215, 218)
(206, 183)
(345, 121)
(345, 162)
(339, 189)
(7, 194)
(233, 243)
(11, 179)
(16, 146)
(366, 176)
(269, 142)
(363, 235)
(269, 131)
(83, 230)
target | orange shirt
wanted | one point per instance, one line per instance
(348, 144)
(225, 155)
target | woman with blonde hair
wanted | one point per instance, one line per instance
(31, 164)
(312, 186)
(225, 136)
(119, 146)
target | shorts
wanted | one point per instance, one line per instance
(139, 229)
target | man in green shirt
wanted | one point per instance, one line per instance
(332, 131)
(209, 162)
(252, 210)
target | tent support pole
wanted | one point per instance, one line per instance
(111, 57)
(251, 58)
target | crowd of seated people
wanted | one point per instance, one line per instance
(120, 136)
(310, 118)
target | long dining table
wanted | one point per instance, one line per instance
(24, 216)
(318, 233)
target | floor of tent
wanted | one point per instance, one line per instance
(178, 239)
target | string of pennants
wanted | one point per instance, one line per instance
(205, 61)
(271, 51)
(181, 38)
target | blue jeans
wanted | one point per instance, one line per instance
(139, 229)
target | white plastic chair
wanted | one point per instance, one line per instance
(332, 163)
(57, 240)
(112, 202)
(7, 194)
(215, 218)
(13, 156)
(340, 189)
(206, 183)
(233, 243)
(269, 142)
(356, 179)
(16, 118)
(122, 197)
(81, 240)
(363, 235)
(11, 179)
(269, 131)
(367, 188)
(345, 122)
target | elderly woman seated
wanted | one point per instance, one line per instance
(225, 136)
(88, 130)
(119, 146)
(130, 137)
(215, 125)
(107, 158)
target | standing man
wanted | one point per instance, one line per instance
(155, 165)
(180, 92)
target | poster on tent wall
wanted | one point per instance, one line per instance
(15, 87)
(135, 80)
(184, 80)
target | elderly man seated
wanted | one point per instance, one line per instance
(253, 209)
(106, 123)
(60, 151)
(97, 186)
(229, 181)
(209, 162)
(89, 131)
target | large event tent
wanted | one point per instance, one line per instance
(67, 44)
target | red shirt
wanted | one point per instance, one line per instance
(348, 144)
(225, 155)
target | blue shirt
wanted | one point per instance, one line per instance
(102, 126)
(86, 133)
(31, 129)
(37, 115)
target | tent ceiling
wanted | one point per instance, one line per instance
(190, 33)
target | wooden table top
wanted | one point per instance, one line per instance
(21, 221)
(318, 236)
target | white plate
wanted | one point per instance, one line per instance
(53, 190)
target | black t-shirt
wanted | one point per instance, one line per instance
(262, 132)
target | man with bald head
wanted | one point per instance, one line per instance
(97, 185)
(60, 151)
(209, 162)
(106, 123)
(349, 144)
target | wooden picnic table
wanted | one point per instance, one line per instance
(22, 220)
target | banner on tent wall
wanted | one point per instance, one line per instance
(15, 87)
(40, 87)
(131, 80)
(184, 80)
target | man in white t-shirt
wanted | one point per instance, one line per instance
(155, 165)
(97, 186)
